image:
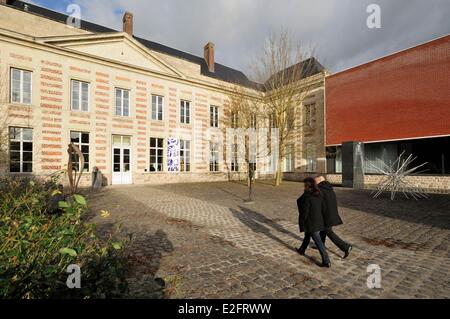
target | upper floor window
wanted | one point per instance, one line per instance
(20, 150)
(253, 121)
(214, 116)
(310, 115)
(122, 102)
(20, 86)
(185, 112)
(80, 96)
(272, 120)
(157, 107)
(81, 140)
(234, 119)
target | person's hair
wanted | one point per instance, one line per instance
(311, 186)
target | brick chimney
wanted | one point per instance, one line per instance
(128, 23)
(209, 56)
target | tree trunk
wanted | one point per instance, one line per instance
(279, 173)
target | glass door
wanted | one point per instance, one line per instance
(121, 160)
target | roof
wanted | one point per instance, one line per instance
(301, 70)
(221, 72)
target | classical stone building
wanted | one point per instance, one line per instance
(139, 111)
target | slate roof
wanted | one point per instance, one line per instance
(221, 72)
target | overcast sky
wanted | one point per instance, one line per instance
(336, 28)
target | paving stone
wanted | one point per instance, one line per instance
(219, 247)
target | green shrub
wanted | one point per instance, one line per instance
(36, 248)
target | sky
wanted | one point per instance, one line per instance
(336, 29)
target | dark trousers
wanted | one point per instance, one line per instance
(328, 232)
(317, 240)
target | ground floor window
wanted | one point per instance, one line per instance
(20, 150)
(334, 160)
(435, 152)
(81, 140)
(311, 160)
(156, 154)
(185, 155)
(234, 158)
(289, 158)
(214, 157)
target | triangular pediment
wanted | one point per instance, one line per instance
(118, 47)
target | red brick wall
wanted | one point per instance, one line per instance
(405, 95)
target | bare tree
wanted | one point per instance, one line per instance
(283, 70)
(246, 113)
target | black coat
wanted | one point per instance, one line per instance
(331, 215)
(310, 209)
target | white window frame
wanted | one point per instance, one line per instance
(214, 116)
(21, 150)
(185, 112)
(79, 145)
(185, 159)
(21, 84)
(153, 116)
(80, 95)
(122, 100)
(156, 149)
(214, 154)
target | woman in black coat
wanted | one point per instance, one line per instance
(311, 207)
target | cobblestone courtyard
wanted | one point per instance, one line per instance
(220, 247)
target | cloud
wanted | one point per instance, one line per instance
(336, 28)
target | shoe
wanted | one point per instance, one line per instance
(347, 252)
(325, 265)
(301, 251)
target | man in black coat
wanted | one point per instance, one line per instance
(331, 216)
(311, 210)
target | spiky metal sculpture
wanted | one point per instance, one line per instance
(395, 177)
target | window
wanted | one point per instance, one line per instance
(234, 120)
(253, 121)
(80, 96)
(272, 120)
(214, 116)
(20, 86)
(185, 155)
(310, 115)
(214, 157)
(185, 112)
(310, 157)
(122, 102)
(20, 150)
(156, 154)
(157, 107)
(81, 140)
(234, 158)
(289, 158)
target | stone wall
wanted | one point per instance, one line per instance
(430, 184)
